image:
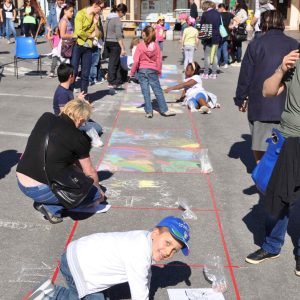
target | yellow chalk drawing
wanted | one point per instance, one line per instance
(147, 184)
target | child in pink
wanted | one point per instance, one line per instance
(160, 32)
(55, 51)
(147, 61)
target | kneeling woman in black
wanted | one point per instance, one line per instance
(67, 146)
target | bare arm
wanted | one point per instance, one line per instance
(63, 30)
(253, 21)
(89, 170)
(273, 85)
(181, 85)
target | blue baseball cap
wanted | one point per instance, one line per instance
(179, 230)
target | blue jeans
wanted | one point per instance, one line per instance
(196, 99)
(147, 78)
(70, 293)
(276, 230)
(91, 124)
(94, 67)
(161, 45)
(223, 49)
(2, 29)
(83, 54)
(42, 194)
(10, 28)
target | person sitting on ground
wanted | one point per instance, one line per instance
(193, 94)
(147, 61)
(64, 94)
(67, 146)
(94, 263)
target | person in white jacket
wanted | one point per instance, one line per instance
(94, 263)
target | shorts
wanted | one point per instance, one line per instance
(196, 98)
(260, 131)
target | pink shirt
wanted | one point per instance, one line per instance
(56, 39)
(159, 31)
(147, 57)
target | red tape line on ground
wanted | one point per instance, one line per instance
(237, 293)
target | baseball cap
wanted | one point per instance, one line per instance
(179, 230)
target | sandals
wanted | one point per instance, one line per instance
(47, 215)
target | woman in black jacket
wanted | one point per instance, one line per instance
(260, 61)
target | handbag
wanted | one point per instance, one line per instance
(262, 173)
(240, 33)
(71, 186)
(205, 32)
(222, 29)
(67, 48)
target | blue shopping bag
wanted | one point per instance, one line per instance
(262, 173)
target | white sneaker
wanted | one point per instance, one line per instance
(225, 66)
(236, 64)
(204, 110)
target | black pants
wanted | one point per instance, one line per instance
(29, 29)
(116, 75)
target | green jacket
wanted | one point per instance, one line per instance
(84, 26)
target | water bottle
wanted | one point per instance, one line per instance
(214, 273)
(205, 163)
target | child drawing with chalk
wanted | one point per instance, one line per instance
(193, 94)
(94, 263)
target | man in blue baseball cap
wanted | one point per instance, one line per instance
(94, 263)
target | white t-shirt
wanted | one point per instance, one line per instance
(102, 260)
(195, 89)
(258, 13)
(8, 11)
(58, 11)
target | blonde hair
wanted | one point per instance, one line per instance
(77, 110)
(134, 42)
(149, 35)
(208, 4)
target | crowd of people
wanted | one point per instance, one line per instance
(267, 89)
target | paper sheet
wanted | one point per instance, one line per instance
(194, 294)
(100, 208)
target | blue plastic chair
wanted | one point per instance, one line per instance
(26, 49)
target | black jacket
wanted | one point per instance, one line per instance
(213, 17)
(194, 11)
(284, 185)
(262, 58)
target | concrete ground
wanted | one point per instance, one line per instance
(146, 166)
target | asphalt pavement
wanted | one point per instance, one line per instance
(146, 167)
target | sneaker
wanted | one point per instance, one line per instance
(212, 76)
(225, 66)
(297, 270)
(51, 75)
(168, 113)
(47, 288)
(204, 76)
(236, 64)
(149, 115)
(47, 215)
(100, 81)
(259, 256)
(204, 110)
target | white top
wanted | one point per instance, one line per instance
(195, 89)
(258, 13)
(241, 16)
(102, 260)
(8, 14)
(58, 11)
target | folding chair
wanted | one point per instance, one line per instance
(26, 49)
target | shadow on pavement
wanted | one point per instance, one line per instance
(170, 275)
(8, 159)
(91, 97)
(255, 222)
(242, 150)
